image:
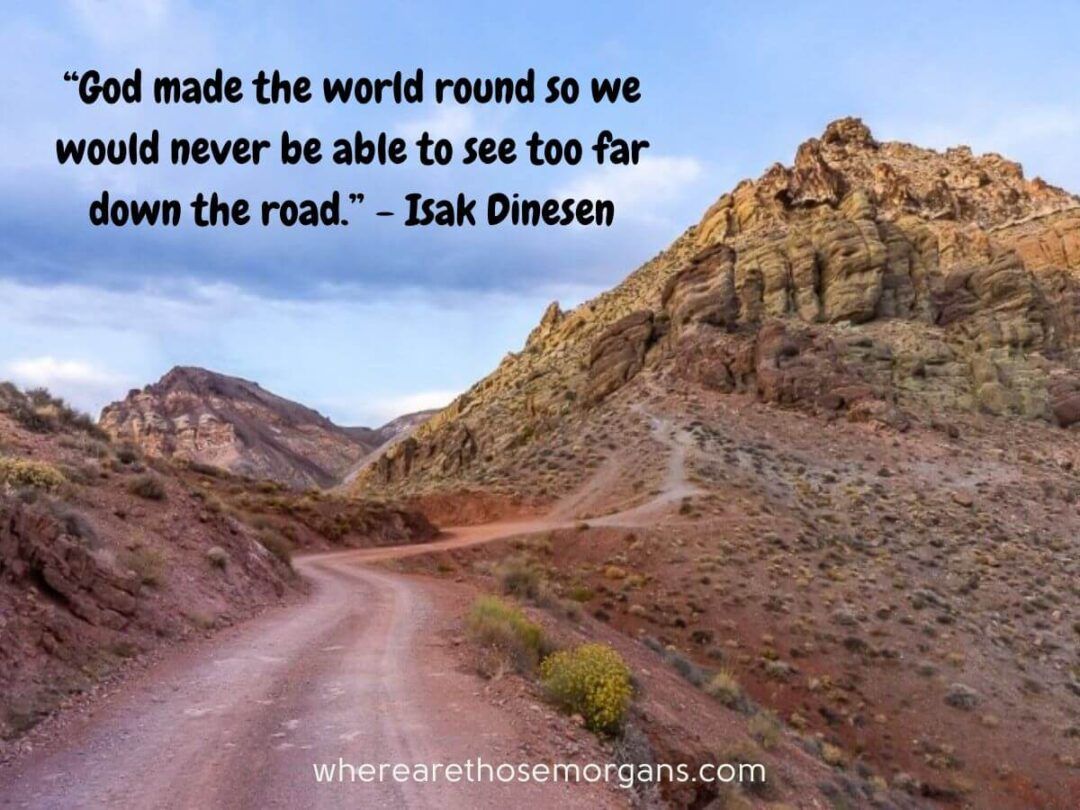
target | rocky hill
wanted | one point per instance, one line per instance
(227, 422)
(875, 281)
(827, 444)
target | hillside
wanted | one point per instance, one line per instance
(873, 280)
(837, 423)
(106, 554)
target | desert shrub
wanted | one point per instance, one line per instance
(209, 470)
(149, 487)
(654, 644)
(747, 761)
(633, 749)
(261, 523)
(832, 755)
(75, 523)
(202, 620)
(124, 648)
(506, 630)
(148, 565)
(127, 454)
(217, 557)
(86, 445)
(20, 472)
(521, 577)
(39, 411)
(581, 593)
(765, 728)
(277, 544)
(569, 609)
(85, 474)
(591, 680)
(214, 505)
(724, 687)
(686, 668)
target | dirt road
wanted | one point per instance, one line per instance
(357, 671)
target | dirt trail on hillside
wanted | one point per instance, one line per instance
(676, 484)
(597, 490)
(353, 673)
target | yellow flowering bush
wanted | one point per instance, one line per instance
(18, 472)
(591, 680)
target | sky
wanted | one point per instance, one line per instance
(375, 319)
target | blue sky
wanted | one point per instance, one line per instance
(367, 321)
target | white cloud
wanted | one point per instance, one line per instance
(392, 407)
(361, 357)
(447, 121)
(638, 190)
(153, 32)
(82, 383)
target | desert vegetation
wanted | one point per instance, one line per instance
(591, 680)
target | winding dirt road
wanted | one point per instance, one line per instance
(355, 672)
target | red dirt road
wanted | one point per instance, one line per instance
(357, 671)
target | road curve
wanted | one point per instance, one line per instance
(354, 672)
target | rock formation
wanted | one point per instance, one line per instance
(880, 281)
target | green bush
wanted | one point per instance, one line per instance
(581, 593)
(504, 629)
(591, 680)
(19, 472)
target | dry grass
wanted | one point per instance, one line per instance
(148, 565)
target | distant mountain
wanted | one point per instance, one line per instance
(385, 437)
(398, 428)
(200, 415)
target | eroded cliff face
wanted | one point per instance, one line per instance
(881, 281)
(210, 418)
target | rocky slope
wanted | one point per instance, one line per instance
(106, 554)
(210, 418)
(101, 558)
(859, 375)
(876, 281)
